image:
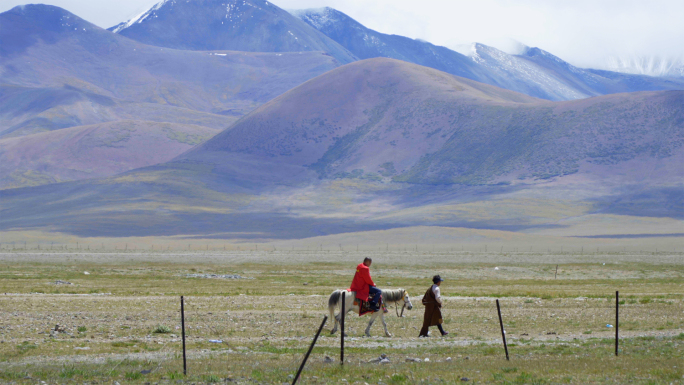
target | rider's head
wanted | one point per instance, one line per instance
(367, 261)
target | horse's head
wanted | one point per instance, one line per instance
(407, 301)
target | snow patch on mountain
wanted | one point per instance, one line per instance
(318, 17)
(517, 67)
(141, 17)
(509, 46)
(647, 65)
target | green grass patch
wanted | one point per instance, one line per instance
(131, 376)
(25, 347)
(211, 379)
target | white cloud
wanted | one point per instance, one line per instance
(584, 32)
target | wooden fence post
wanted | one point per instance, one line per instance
(617, 320)
(185, 368)
(342, 327)
(503, 332)
(306, 357)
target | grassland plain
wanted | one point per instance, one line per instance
(121, 321)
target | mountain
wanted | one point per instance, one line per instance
(534, 72)
(422, 126)
(366, 43)
(45, 46)
(383, 115)
(58, 71)
(238, 25)
(381, 144)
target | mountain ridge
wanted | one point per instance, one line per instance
(535, 72)
(237, 25)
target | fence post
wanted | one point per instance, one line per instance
(503, 332)
(617, 320)
(185, 368)
(306, 357)
(342, 328)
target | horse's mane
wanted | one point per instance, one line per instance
(393, 295)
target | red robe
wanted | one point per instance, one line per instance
(361, 281)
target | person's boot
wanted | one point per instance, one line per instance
(373, 303)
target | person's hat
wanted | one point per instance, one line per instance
(437, 278)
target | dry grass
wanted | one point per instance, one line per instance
(556, 328)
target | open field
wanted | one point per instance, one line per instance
(556, 327)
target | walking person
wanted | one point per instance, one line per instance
(364, 286)
(433, 303)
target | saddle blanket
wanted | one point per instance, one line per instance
(365, 306)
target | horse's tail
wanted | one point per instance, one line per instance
(334, 298)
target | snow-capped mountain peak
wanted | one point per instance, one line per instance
(236, 25)
(233, 9)
(141, 17)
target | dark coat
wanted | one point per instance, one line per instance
(433, 314)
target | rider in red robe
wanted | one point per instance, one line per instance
(364, 286)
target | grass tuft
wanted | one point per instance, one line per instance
(162, 329)
(71, 372)
(175, 375)
(12, 375)
(132, 375)
(211, 379)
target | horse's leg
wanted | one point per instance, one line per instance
(335, 317)
(382, 318)
(370, 322)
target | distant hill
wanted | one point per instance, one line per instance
(381, 144)
(238, 25)
(534, 72)
(58, 71)
(95, 151)
(30, 110)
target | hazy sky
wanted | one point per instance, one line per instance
(583, 32)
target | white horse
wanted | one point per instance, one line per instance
(398, 296)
